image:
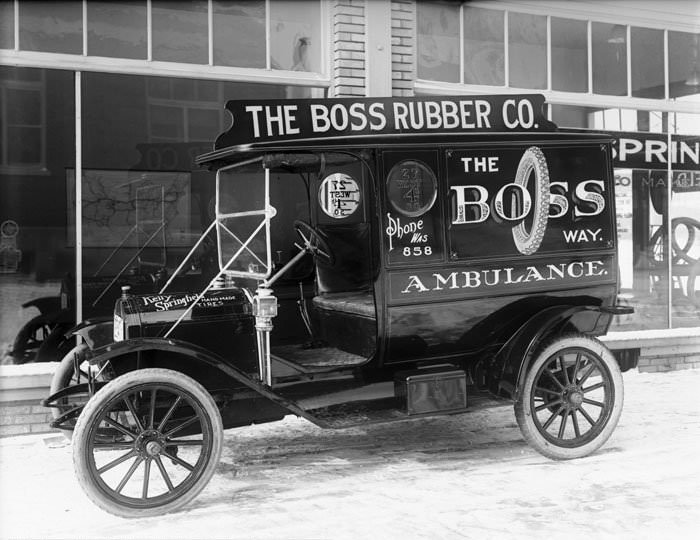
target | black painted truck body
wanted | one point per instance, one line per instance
(450, 253)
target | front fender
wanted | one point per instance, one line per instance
(185, 357)
(505, 375)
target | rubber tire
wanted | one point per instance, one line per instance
(109, 392)
(62, 378)
(23, 337)
(56, 345)
(533, 159)
(523, 414)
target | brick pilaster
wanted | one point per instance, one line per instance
(349, 50)
(403, 47)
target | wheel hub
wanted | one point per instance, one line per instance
(150, 443)
(572, 397)
(153, 448)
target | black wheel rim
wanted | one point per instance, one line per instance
(572, 397)
(149, 445)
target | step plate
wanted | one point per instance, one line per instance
(318, 357)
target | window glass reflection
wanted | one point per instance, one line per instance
(295, 35)
(527, 49)
(7, 24)
(609, 43)
(685, 247)
(569, 55)
(51, 26)
(438, 41)
(483, 46)
(684, 64)
(647, 59)
(180, 31)
(239, 33)
(117, 29)
(574, 116)
(142, 168)
(37, 147)
(642, 240)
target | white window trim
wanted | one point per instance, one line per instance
(83, 62)
(127, 66)
(596, 11)
(562, 98)
(585, 99)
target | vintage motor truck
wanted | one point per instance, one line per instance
(380, 260)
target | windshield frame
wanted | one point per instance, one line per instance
(267, 213)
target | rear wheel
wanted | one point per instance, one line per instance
(571, 399)
(147, 443)
(30, 338)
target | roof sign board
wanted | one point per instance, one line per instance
(288, 120)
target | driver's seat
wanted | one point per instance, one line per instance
(345, 301)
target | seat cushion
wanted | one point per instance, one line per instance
(356, 303)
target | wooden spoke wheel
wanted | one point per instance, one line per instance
(147, 443)
(571, 399)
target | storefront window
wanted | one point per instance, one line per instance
(55, 27)
(647, 60)
(144, 202)
(569, 55)
(645, 213)
(685, 247)
(685, 220)
(645, 241)
(573, 116)
(7, 24)
(483, 46)
(527, 47)
(37, 122)
(438, 41)
(295, 35)
(683, 64)
(239, 34)
(117, 29)
(609, 42)
(180, 31)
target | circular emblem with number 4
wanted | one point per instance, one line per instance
(412, 188)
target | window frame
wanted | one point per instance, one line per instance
(588, 98)
(31, 86)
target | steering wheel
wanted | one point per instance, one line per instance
(314, 243)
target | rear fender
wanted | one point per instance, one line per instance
(96, 332)
(204, 366)
(47, 305)
(505, 375)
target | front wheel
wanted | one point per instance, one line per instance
(147, 443)
(571, 399)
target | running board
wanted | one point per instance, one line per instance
(379, 411)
